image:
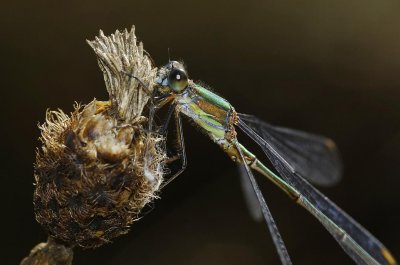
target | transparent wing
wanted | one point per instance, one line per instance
(356, 241)
(266, 213)
(312, 156)
(250, 196)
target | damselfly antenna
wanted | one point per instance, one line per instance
(144, 86)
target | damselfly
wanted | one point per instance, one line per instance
(298, 158)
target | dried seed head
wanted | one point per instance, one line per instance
(98, 167)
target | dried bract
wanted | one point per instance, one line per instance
(120, 58)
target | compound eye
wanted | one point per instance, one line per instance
(177, 80)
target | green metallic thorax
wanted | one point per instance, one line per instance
(208, 110)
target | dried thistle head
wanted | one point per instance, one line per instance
(99, 166)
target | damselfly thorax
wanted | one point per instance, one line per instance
(212, 113)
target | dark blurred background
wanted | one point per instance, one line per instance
(330, 67)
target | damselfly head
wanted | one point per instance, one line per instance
(172, 78)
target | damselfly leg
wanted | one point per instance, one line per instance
(181, 152)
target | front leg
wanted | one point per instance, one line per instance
(181, 152)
